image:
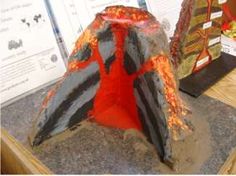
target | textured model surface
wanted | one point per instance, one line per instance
(196, 41)
(119, 75)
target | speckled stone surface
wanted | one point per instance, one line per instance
(95, 149)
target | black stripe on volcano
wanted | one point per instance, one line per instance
(133, 52)
(109, 62)
(65, 105)
(129, 64)
(159, 143)
(105, 35)
(145, 126)
(81, 113)
(83, 54)
(153, 89)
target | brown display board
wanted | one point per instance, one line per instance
(200, 63)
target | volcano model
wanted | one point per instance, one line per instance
(119, 75)
(196, 41)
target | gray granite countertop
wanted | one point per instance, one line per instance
(95, 149)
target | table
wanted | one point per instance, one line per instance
(16, 159)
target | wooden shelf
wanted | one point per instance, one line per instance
(229, 166)
(225, 89)
(15, 159)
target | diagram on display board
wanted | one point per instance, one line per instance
(196, 46)
(196, 41)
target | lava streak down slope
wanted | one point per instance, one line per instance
(119, 75)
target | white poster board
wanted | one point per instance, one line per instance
(166, 12)
(228, 45)
(29, 56)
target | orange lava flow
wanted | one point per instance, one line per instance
(176, 110)
(114, 103)
(162, 66)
